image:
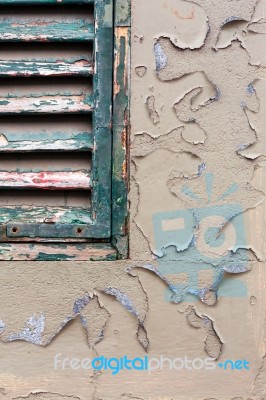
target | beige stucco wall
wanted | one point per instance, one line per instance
(197, 154)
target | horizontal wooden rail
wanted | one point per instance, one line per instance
(46, 103)
(43, 141)
(45, 180)
(45, 30)
(56, 252)
(69, 230)
(43, 68)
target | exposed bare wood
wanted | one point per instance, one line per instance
(45, 180)
(46, 103)
(46, 68)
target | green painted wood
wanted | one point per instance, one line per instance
(43, 141)
(102, 116)
(100, 103)
(44, 30)
(39, 103)
(37, 214)
(57, 252)
(120, 128)
(45, 68)
(122, 13)
(49, 230)
(103, 87)
(43, 2)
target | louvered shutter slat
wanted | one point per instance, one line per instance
(39, 30)
(45, 180)
(46, 68)
(40, 103)
(54, 141)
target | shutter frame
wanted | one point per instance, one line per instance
(109, 143)
(121, 127)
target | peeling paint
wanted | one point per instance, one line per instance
(80, 304)
(153, 113)
(128, 305)
(2, 326)
(189, 13)
(123, 299)
(32, 332)
(197, 118)
(95, 318)
(160, 57)
(213, 343)
(141, 70)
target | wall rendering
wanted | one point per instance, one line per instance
(194, 286)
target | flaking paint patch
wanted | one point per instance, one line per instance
(173, 91)
(153, 113)
(141, 70)
(193, 133)
(160, 166)
(255, 111)
(213, 343)
(32, 332)
(43, 327)
(160, 57)
(2, 326)
(195, 104)
(250, 32)
(180, 17)
(80, 304)
(233, 29)
(237, 268)
(95, 317)
(206, 291)
(125, 301)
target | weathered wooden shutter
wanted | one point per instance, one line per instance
(51, 89)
